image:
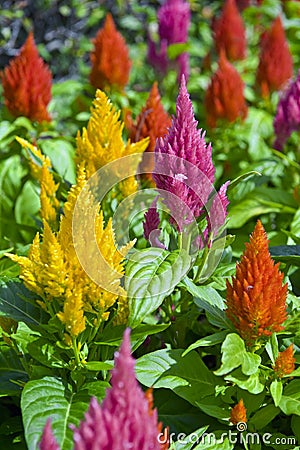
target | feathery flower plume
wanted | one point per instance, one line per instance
(27, 84)
(153, 121)
(238, 413)
(151, 224)
(48, 441)
(275, 61)
(224, 98)
(285, 362)
(173, 24)
(102, 142)
(183, 165)
(229, 32)
(287, 117)
(256, 300)
(110, 58)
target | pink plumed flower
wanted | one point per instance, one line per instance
(48, 441)
(151, 224)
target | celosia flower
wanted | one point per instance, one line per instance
(27, 84)
(287, 117)
(53, 271)
(110, 58)
(101, 142)
(153, 121)
(238, 413)
(124, 420)
(173, 24)
(275, 61)
(285, 362)
(48, 441)
(151, 224)
(184, 167)
(256, 300)
(229, 32)
(224, 98)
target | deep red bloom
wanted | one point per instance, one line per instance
(275, 61)
(27, 84)
(285, 362)
(229, 32)
(256, 300)
(110, 58)
(224, 98)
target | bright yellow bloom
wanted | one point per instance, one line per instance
(101, 142)
(35, 157)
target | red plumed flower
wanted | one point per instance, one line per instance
(238, 413)
(224, 98)
(256, 300)
(153, 121)
(285, 362)
(229, 32)
(275, 62)
(27, 84)
(110, 58)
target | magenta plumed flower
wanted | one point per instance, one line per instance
(48, 441)
(287, 117)
(173, 25)
(151, 224)
(184, 171)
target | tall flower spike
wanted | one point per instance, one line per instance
(124, 420)
(256, 299)
(153, 121)
(190, 157)
(110, 58)
(27, 83)
(285, 362)
(287, 117)
(48, 441)
(229, 32)
(224, 98)
(173, 24)
(275, 61)
(238, 413)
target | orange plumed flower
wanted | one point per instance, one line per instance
(110, 58)
(229, 32)
(238, 413)
(224, 98)
(153, 121)
(285, 362)
(275, 61)
(27, 84)
(256, 300)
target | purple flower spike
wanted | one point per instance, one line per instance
(183, 164)
(150, 225)
(48, 441)
(287, 118)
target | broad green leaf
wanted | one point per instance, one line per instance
(188, 377)
(207, 341)
(286, 253)
(17, 302)
(12, 373)
(52, 397)
(214, 407)
(151, 275)
(234, 354)
(272, 347)
(61, 153)
(96, 366)
(250, 383)
(187, 442)
(263, 416)
(45, 352)
(276, 391)
(289, 405)
(177, 49)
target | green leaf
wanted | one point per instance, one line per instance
(272, 347)
(207, 341)
(175, 50)
(188, 377)
(96, 366)
(234, 354)
(45, 352)
(243, 177)
(250, 383)
(276, 391)
(263, 417)
(52, 397)
(16, 302)
(12, 373)
(61, 153)
(289, 405)
(151, 275)
(286, 253)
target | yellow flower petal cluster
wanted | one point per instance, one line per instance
(101, 142)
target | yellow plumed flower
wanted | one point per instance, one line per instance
(101, 142)
(35, 157)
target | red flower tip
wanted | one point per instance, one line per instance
(275, 62)
(285, 362)
(27, 83)
(256, 300)
(238, 413)
(229, 32)
(224, 98)
(110, 58)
